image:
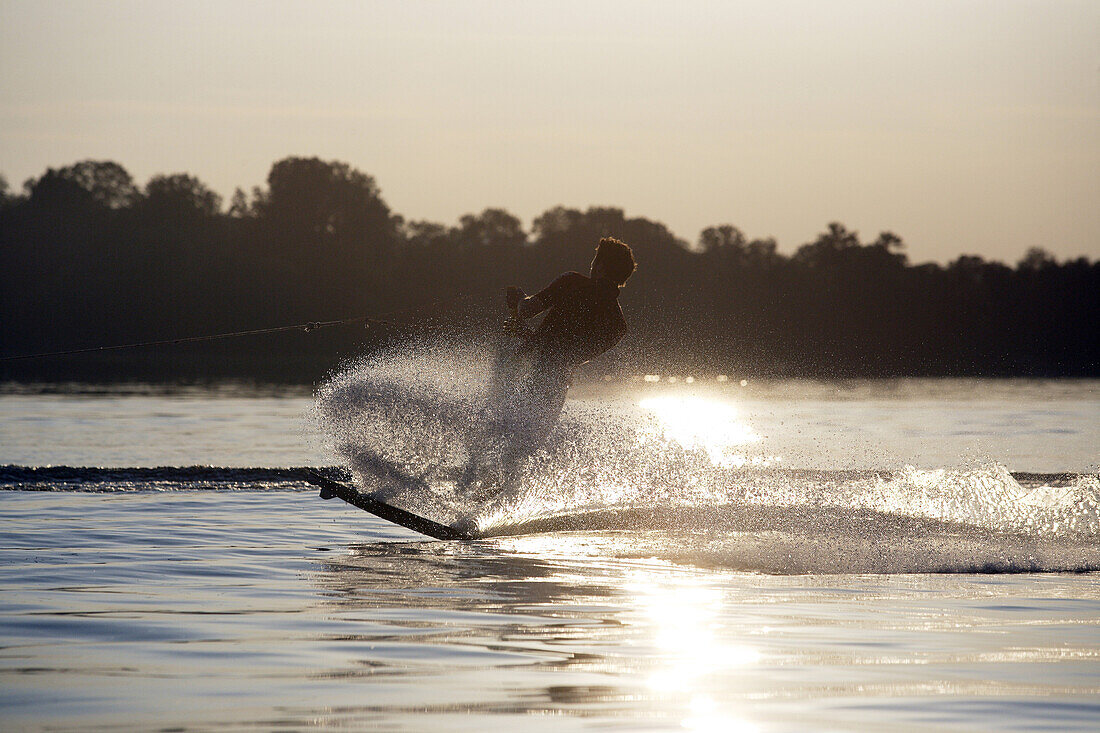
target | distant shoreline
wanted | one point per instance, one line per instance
(88, 259)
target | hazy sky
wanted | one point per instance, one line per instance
(965, 127)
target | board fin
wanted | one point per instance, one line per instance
(331, 489)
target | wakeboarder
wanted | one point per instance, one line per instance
(582, 321)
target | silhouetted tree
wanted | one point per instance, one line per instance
(728, 245)
(425, 234)
(239, 205)
(179, 198)
(6, 199)
(1037, 258)
(569, 236)
(724, 239)
(491, 228)
(311, 199)
(88, 259)
(828, 249)
(107, 183)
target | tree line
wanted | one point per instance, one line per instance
(88, 258)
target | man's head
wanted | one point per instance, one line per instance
(614, 260)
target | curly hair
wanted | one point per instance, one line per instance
(617, 259)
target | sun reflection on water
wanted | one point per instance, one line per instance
(711, 426)
(685, 618)
(677, 626)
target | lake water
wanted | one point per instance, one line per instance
(773, 556)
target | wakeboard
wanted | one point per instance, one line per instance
(334, 489)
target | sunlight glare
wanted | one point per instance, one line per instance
(701, 424)
(685, 617)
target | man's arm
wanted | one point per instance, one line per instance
(522, 306)
(549, 297)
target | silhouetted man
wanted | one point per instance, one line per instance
(583, 320)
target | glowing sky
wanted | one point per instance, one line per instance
(963, 126)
